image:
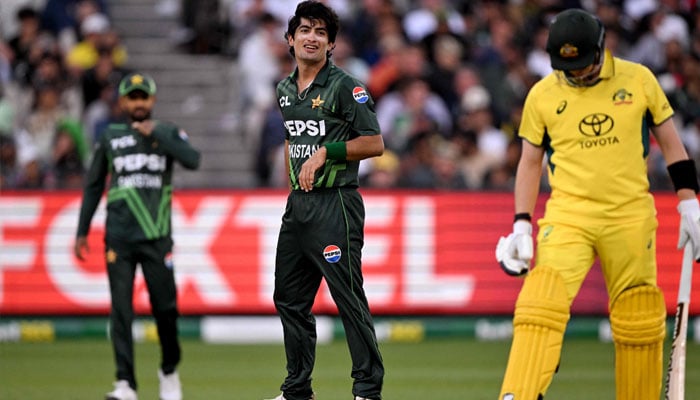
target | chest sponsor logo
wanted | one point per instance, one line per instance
(332, 253)
(135, 162)
(310, 127)
(360, 95)
(122, 142)
(596, 127)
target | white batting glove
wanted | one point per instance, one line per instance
(690, 225)
(514, 252)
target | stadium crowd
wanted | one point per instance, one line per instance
(448, 78)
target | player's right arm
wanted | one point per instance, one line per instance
(92, 193)
(515, 251)
(527, 178)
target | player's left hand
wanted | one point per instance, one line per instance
(514, 252)
(307, 174)
(690, 225)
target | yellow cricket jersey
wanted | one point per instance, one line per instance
(597, 141)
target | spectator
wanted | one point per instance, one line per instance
(69, 156)
(410, 109)
(384, 171)
(473, 163)
(63, 19)
(22, 43)
(478, 117)
(97, 36)
(428, 18)
(43, 120)
(447, 59)
(259, 63)
(344, 57)
(105, 74)
(417, 163)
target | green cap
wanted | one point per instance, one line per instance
(575, 36)
(137, 81)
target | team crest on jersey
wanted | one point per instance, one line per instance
(332, 253)
(360, 94)
(622, 96)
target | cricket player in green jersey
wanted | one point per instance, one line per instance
(138, 159)
(592, 117)
(330, 126)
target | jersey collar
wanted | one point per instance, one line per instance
(322, 76)
(608, 68)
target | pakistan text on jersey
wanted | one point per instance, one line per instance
(310, 127)
(147, 181)
(135, 162)
(302, 150)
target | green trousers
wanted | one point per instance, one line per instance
(321, 237)
(155, 258)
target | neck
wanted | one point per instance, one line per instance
(308, 72)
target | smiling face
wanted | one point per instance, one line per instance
(310, 41)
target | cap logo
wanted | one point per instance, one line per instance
(568, 51)
(136, 80)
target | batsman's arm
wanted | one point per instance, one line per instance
(527, 178)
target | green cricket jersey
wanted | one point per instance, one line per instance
(335, 107)
(140, 172)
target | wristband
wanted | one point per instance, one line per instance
(336, 151)
(525, 216)
(684, 175)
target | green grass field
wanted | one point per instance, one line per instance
(438, 369)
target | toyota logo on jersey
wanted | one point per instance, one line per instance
(332, 253)
(360, 95)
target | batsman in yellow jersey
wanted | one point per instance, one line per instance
(592, 118)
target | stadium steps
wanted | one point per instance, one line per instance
(197, 92)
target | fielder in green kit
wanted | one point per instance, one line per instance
(138, 158)
(330, 126)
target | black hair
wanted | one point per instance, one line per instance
(314, 10)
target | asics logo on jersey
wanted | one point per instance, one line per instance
(562, 107)
(594, 125)
(310, 127)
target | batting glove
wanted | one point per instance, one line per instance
(514, 252)
(690, 225)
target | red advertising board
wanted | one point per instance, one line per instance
(425, 253)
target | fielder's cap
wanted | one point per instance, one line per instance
(574, 38)
(137, 81)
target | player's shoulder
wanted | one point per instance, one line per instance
(116, 129)
(348, 87)
(546, 86)
(342, 78)
(287, 83)
(632, 69)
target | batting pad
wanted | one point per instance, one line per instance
(541, 315)
(638, 323)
